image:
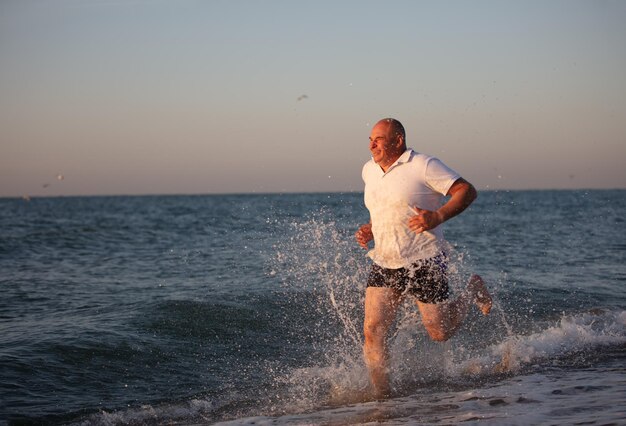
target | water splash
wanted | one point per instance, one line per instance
(322, 258)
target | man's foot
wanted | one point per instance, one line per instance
(482, 298)
(379, 383)
(340, 396)
(343, 396)
(379, 394)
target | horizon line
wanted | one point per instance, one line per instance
(243, 193)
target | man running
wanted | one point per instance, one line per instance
(404, 191)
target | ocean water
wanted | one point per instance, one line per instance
(247, 309)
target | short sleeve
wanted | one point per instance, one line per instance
(439, 177)
(368, 170)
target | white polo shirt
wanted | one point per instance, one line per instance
(413, 180)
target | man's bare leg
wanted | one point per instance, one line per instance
(381, 306)
(442, 320)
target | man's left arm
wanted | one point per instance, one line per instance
(462, 194)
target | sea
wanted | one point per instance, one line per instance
(248, 310)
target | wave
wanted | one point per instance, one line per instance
(333, 393)
(573, 334)
(320, 366)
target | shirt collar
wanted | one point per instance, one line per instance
(405, 157)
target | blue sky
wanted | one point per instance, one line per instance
(145, 97)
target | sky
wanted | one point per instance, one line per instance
(198, 97)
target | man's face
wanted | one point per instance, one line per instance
(383, 147)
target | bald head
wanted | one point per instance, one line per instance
(394, 127)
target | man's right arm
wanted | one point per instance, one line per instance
(462, 194)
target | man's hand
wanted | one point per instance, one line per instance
(462, 194)
(364, 235)
(424, 220)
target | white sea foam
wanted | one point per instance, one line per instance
(194, 409)
(572, 334)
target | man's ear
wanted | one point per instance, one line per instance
(400, 141)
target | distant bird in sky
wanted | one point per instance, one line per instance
(301, 97)
(59, 178)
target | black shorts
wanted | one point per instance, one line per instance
(426, 280)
